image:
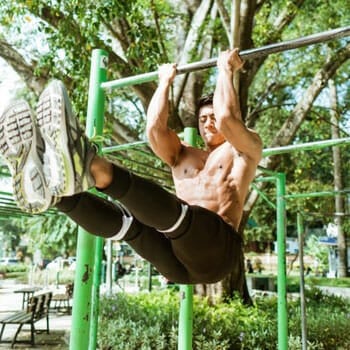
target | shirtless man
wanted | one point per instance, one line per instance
(189, 238)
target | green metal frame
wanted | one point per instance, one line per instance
(280, 180)
(85, 303)
(186, 291)
(282, 197)
(89, 248)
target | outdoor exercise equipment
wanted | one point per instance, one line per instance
(89, 248)
(245, 55)
(281, 198)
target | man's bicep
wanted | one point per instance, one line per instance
(244, 140)
(166, 145)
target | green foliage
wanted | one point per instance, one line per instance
(139, 313)
(332, 282)
(265, 217)
(13, 268)
(327, 319)
(11, 234)
(54, 234)
(150, 321)
(317, 250)
(57, 38)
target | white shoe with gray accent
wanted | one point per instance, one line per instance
(22, 149)
(68, 153)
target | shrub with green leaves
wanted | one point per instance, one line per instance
(13, 268)
(149, 321)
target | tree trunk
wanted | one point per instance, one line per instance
(338, 184)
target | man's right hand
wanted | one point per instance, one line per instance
(230, 60)
(167, 73)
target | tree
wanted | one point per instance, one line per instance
(338, 184)
(277, 93)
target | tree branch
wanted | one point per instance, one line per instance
(21, 67)
(293, 122)
(156, 21)
(225, 18)
(284, 19)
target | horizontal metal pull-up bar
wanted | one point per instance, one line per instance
(245, 55)
(317, 194)
(266, 152)
(305, 146)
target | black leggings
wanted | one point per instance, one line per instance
(202, 249)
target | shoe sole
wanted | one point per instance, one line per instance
(18, 147)
(54, 117)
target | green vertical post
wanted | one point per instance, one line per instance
(94, 127)
(186, 291)
(89, 248)
(79, 338)
(281, 250)
(301, 235)
(185, 317)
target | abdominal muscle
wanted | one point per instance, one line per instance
(207, 181)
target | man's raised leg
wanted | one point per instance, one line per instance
(71, 166)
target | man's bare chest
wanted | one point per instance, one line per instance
(201, 165)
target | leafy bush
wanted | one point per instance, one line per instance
(328, 319)
(140, 321)
(329, 282)
(150, 321)
(13, 268)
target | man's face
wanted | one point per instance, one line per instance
(207, 128)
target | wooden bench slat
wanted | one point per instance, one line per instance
(38, 308)
(17, 318)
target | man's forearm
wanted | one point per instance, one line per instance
(158, 109)
(227, 109)
(226, 103)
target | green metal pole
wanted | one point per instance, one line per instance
(185, 317)
(300, 224)
(94, 127)
(281, 258)
(308, 146)
(186, 291)
(317, 194)
(264, 197)
(84, 316)
(95, 300)
(79, 338)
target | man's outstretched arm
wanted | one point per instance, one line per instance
(164, 142)
(227, 109)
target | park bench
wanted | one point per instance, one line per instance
(61, 301)
(37, 309)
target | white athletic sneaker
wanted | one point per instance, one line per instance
(68, 153)
(22, 148)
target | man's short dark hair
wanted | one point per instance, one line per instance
(205, 100)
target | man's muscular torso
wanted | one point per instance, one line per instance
(217, 180)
